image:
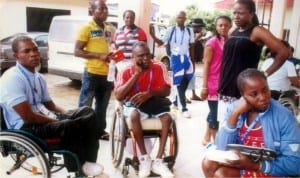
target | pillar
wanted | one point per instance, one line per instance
(277, 17)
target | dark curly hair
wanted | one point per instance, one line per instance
(246, 74)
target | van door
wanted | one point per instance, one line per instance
(62, 37)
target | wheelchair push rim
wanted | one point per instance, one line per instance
(30, 156)
(117, 138)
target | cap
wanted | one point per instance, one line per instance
(197, 22)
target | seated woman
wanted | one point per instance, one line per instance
(257, 120)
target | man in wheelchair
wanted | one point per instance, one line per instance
(26, 105)
(142, 88)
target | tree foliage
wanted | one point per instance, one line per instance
(192, 11)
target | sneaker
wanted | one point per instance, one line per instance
(161, 169)
(92, 169)
(145, 166)
(186, 114)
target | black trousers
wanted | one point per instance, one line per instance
(77, 130)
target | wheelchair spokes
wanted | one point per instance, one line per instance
(290, 104)
(289, 99)
(117, 138)
(18, 153)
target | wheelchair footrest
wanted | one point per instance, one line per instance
(20, 160)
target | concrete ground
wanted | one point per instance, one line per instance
(190, 154)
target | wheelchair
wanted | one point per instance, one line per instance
(289, 99)
(120, 131)
(38, 157)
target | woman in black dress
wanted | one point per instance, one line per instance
(242, 50)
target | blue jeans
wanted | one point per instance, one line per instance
(212, 117)
(96, 86)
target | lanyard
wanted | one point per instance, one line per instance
(137, 87)
(241, 141)
(33, 89)
(182, 35)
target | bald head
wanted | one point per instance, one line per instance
(181, 18)
(99, 10)
(141, 55)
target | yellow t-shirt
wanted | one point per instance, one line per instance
(97, 40)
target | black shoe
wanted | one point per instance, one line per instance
(104, 136)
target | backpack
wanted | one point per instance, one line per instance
(168, 46)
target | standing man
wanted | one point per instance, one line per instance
(93, 43)
(181, 40)
(126, 36)
(197, 24)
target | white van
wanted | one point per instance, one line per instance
(62, 36)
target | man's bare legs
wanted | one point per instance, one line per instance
(145, 161)
(138, 131)
(166, 120)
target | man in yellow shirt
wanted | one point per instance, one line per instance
(93, 41)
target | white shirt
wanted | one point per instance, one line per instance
(279, 80)
(181, 39)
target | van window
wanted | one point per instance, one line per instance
(69, 36)
(42, 41)
(62, 38)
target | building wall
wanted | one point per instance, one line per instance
(295, 28)
(278, 16)
(13, 12)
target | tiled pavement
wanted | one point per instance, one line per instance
(190, 153)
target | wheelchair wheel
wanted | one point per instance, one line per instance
(290, 104)
(117, 138)
(19, 151)
(171, 150)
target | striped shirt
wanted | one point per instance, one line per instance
(124, 39)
